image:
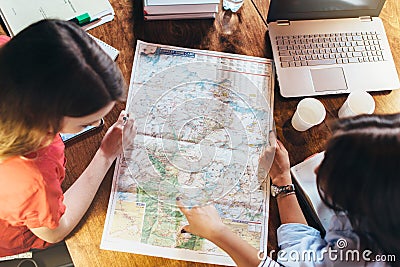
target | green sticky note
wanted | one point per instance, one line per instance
(84, 18)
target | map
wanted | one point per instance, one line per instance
(203, 119)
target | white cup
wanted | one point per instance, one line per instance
(358, 102)
(309, 112)
(233, 5)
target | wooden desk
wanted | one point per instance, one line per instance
(122, 33)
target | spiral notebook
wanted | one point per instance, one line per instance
(111, 51)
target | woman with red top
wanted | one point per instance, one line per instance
(53, 78)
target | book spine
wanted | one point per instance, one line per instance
(180, 2)
(181, 16)
(179, 9)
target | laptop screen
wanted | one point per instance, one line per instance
(322, 9)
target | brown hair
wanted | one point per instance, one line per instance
(50, 70)
(360, 175)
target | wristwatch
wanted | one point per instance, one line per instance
(278, 190)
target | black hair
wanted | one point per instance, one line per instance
(360, 175)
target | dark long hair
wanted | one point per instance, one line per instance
(360, 175)
(50, 70)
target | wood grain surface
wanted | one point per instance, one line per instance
(249, 39)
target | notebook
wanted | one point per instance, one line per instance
(108, 49)
(18, 14)
(202, 15)
(164, 9)
(307, 180)
(330, 47)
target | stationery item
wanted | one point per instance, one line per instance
(25, 255)
(68, 137)
(330, 47)
(18, 14)
(178, 9)
(304, 173)
(124, 120)
(181, 2)
(309, 112)
(111, 51)
(167, 10)
(358, 102)
(203, 119)
(208, 15)
(82, 19)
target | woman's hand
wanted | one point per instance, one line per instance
(111, 145)
(280, 168)
(203, 221)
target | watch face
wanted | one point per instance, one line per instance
(274, 190)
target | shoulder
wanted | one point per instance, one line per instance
(18, 173)
(28, 198)
(20, 183)
(295, 233)
(50, 159)
(340, 222)
(299, 242)
(55, 150)
(341, 234)
(29, 184)
(27, 170)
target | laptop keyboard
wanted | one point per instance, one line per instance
(327, 49)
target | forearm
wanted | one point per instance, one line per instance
(289, 210)
(240, 251)
(78, 198)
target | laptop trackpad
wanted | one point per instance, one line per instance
(330, 79)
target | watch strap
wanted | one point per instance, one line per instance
(285, 189)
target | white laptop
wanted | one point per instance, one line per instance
(330, 47)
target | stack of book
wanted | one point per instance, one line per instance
(19, 14)
(179, 9)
